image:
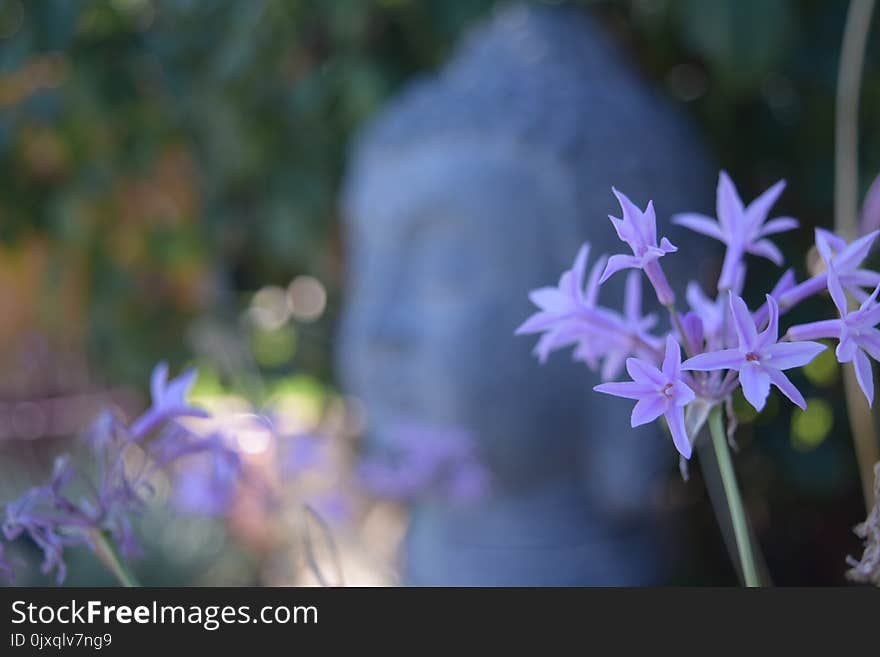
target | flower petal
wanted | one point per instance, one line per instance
(779, 225)
(675, 420)
(766, 249)
(846, 348)
(578, 271)
(643, 372)
(535, 324)
(864, 375)
(724, 359)
(672, 358)
(667, 247)
(553, 299)
(870, 342)
(618, 262)
(699, 223)
(627, 389)
(743, 322)
(158, 381)
(682, 395)
(827, 328)
(758, 209)
(770, 335)
(591, 294)
(786, 387)
(836, 291)
(648, 409)
(632, 296)
(728, 206)
(853, 254)
(755, 382)
(785, 355)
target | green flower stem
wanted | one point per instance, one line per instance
(106, 551)
(748, 564)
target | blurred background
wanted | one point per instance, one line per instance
(169, 190)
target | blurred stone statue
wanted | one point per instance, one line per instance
(474, 187)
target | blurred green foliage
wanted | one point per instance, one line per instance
(174, 153)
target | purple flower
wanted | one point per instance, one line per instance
(169, 401)
(42, 514)
(568, 311)
(6, 569)
(759, 358)
(855, 331)
(427, 462)
(870, 219)
(304, 452)
(206, 482)
(659, 392)
(710, 313)
(632, 337)
(333, 507)
(741, 228)
(570, 315)
(118, 485)
(639, 230)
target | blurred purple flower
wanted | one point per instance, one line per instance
(870, 219)
(40, 514)
(303, 452)
(633, 337)
(759, 358)
(639, 230)
(710, 312)
(333, 507)
(658, 392)
(568, 311)
(6, 569)
(118, 485)
(855, 331)
(169, 401)
(207, 480)
(741, 228)
(570, 315)
(426, 462)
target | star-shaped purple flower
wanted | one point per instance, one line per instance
(742, 228)
(169, 401)
(569, 315)
(855, 331)
(639, 229)
(658, 392)
(759, 358)
(633, 338)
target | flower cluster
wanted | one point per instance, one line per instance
(87, 504)
(727, 345)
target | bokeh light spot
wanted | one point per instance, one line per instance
(273, 348)
(812, 426)
(269, 308)
(307, 298)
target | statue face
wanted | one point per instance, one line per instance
(435, 294)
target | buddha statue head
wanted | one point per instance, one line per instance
(473, 188)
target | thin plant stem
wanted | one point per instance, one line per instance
(846, 128)
(846, 178)
(106, 551)
(747, 562)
